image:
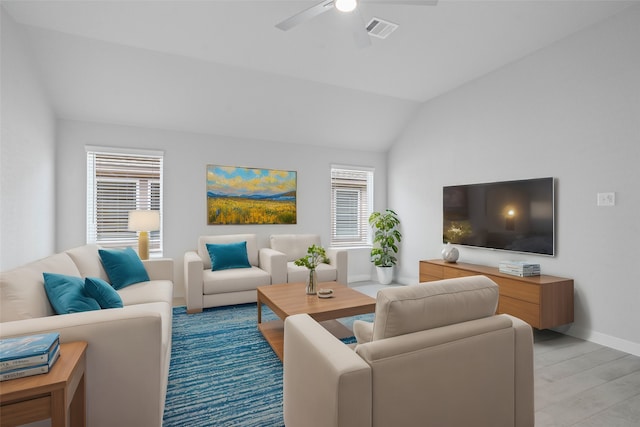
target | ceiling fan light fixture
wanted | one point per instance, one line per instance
(345, 5)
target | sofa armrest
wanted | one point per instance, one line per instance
(340, 259)
(125, 357)
(275, 263)
(325, 382)
(524, 398)
(363, 331)
(193, 281)
(159, 268)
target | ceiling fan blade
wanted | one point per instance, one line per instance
(360, 34)
(305, 15)
(404, 2)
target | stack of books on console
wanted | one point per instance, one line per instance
(28, 355)
(519, 268)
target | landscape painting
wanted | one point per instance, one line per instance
(237, 195)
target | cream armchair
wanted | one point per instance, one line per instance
(436, 355)
(294, 246)
(205, 287)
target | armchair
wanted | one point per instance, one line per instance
(294, 246)
(205, 287)
(436, 355)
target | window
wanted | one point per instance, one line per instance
(351, 205)
(119, 181)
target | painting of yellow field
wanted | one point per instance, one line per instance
(237, 195)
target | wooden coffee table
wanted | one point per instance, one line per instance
(290, 298)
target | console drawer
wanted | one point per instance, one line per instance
(524, 310)
(452, 273)
(518, 289)
(433, 270)
(428, 278)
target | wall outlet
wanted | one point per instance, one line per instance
(606, 199)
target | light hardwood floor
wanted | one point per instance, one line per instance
(579, 383)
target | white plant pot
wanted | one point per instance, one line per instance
(385, 275)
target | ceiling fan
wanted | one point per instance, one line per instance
(350, 8)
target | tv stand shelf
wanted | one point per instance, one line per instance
(542, 301)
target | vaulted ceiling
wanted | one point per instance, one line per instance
(222, 67)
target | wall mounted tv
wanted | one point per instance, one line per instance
(515, 216)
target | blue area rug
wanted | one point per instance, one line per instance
(223, 372)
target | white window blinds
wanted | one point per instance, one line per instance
(351, 205)
(119, 181)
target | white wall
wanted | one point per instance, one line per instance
(185, 161)
(27, 192)
(571, 111)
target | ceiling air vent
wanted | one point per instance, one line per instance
(380, 28)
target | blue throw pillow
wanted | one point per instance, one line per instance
(228, 255)
(67, 295)
(102, 292)
(123, 266)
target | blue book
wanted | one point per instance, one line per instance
(30, 350)
(31, 370)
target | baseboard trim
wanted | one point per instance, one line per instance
(406, 280)
(359, 278)
(604, 339)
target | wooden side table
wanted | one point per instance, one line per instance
(59, 394)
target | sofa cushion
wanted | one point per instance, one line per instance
(234, 280)
(67, 294)
(406, 309)
(363, 331)
(228, 255)
(147, 292)
(88, 261)
(252, 247)
(102, 292)
(123, 266)
(293, 245)
(22, 293)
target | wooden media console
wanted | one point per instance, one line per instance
(542, 301)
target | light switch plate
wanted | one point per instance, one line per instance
(606, 199)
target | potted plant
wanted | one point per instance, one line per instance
(385, 238)
(315, 256)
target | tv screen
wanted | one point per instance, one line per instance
(512, 215)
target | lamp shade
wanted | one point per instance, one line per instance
(144, 220)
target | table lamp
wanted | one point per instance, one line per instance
(144, 222)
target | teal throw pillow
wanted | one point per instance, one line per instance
(102, 292)
(228, 255)
(67, 295)
(123, 266)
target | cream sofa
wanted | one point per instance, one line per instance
(129, 348)
(436, 355)
(207, 288)
(294, 246)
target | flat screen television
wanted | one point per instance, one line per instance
(516, 216)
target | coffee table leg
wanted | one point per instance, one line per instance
(259, 310)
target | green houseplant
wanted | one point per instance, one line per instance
(386, 236)
(316, 255)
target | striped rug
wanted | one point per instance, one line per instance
(223, 372)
